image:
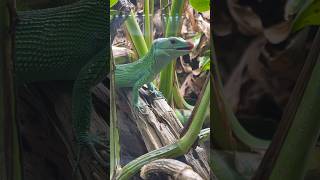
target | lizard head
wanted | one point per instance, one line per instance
(172, 47)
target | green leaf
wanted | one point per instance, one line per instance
(113, 2)
(294, 6)
(200, 6)
(309, 15)
(205, 63)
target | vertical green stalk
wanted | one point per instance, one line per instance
(114, 133)
(136, 35)
(172, 28)
(198, 119)
(164, 4)
(147, 23)
(303, 134)
(177, 97)
(152, 13)
(10, 156)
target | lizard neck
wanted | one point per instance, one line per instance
(158, 59)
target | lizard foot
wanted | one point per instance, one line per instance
(99, 141)
(92, 149)
(157, 93)
(96, 155)
(140, 107)
(92, 142)
(152, 88)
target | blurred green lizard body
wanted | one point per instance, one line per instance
(144, 70)
(70, 43)
(66, 43)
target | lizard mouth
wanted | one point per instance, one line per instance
(188, 48)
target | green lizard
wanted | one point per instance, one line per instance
(69, 43)
(144, 70)
(66, 43)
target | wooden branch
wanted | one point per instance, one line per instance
(159, 126)
(48, 138)
(175, 169)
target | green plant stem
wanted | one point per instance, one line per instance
(225, 122)
(114, 133)
(176, 149)
(199, 116)
(179, 101)
(147, 23)
(270, 157)
(136, 35)
(303, 134)
(164, 3)
(172, 27)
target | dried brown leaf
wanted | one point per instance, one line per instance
(249, 23)
(279, 32)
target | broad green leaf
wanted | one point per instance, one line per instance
(113, 2)
(201, 6)
(310, 15)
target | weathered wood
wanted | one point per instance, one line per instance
(49, 146)
(159, 126)
(177, 170)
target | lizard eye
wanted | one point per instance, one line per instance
(172, 41)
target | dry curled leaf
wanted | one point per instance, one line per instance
(248, 22)
(192, 85)
(204, 26)
(279, 32)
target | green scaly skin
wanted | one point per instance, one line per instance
(144, 70)
(69, 43)
(66, 43)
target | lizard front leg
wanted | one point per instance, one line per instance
(135, 90)
(91, 74)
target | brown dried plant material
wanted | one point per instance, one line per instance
(204, 26)
(239, 75)
(265, 69)
(278, 32)
(248, 22)
(192, 84)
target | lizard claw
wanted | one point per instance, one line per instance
(154, 91)
(91, 142)
(157, 94)
(96, 155)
